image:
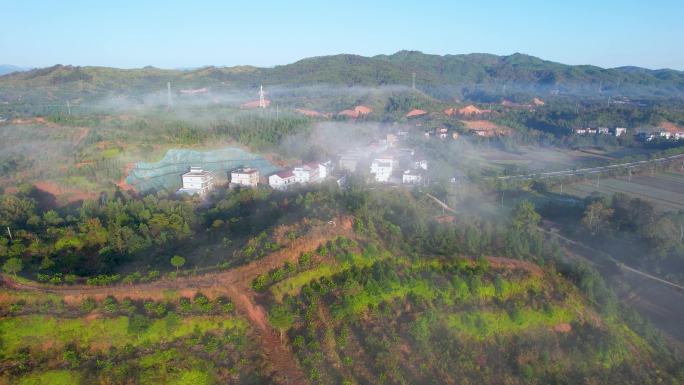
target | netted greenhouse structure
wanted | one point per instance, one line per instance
(166, 174)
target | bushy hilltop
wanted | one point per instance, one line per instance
(471, 76)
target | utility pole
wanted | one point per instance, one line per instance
(10, 233)
(598, 180)
(168, 94)
(413, 81)
(68, 108)
(561, 188)
(629, 178)
(277, 112)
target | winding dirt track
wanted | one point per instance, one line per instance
(234, 284)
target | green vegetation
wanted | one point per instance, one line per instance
(364, 285)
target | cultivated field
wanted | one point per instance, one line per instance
(664, 190)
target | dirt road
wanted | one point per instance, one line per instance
(234, 284)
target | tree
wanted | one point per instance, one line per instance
(525, 217)
(595, 215)
(281, 319)
(177, 261)
(13, 266)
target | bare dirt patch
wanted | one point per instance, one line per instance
(69, 194)
(562, 328)
(488, 126)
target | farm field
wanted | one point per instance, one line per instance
(664, 190)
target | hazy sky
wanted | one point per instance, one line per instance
(173, 34)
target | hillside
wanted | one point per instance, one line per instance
(310, 286)
(472, 76)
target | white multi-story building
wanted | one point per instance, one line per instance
(382, 168)
(281, 180)
(197, 181)
(246, 176)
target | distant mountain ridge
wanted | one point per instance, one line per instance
(8, 68)
(444, 77)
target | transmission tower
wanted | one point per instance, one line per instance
(262, 100)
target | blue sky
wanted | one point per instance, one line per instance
(172, 34)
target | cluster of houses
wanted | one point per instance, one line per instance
(660, 135)
(617, 131)
(642, 136)
(198, 181)
(441, 133)
(400, 166)
(304, 174)
(386, 161)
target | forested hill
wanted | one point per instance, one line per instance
(469, 76)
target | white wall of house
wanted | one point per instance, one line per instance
(382, 168)
(279, 183)
(411, 178)
(247, 178)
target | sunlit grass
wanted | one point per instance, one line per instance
(44, 332)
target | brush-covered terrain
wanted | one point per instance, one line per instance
(354, 286)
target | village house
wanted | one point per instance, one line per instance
(197, 181)
(281, 180)
(411, 177)
(420, 164)
(591, 131)
(646, 136)
(619, 131)
(325, 169)
(580, 131)
(392, 140)
(349, 160)
(382, 168)
(603, 130)
(307, 173)
(245, 176)
(442, 133)
(664, 134)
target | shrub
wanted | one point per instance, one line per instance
(88, 305)
(138, 323)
